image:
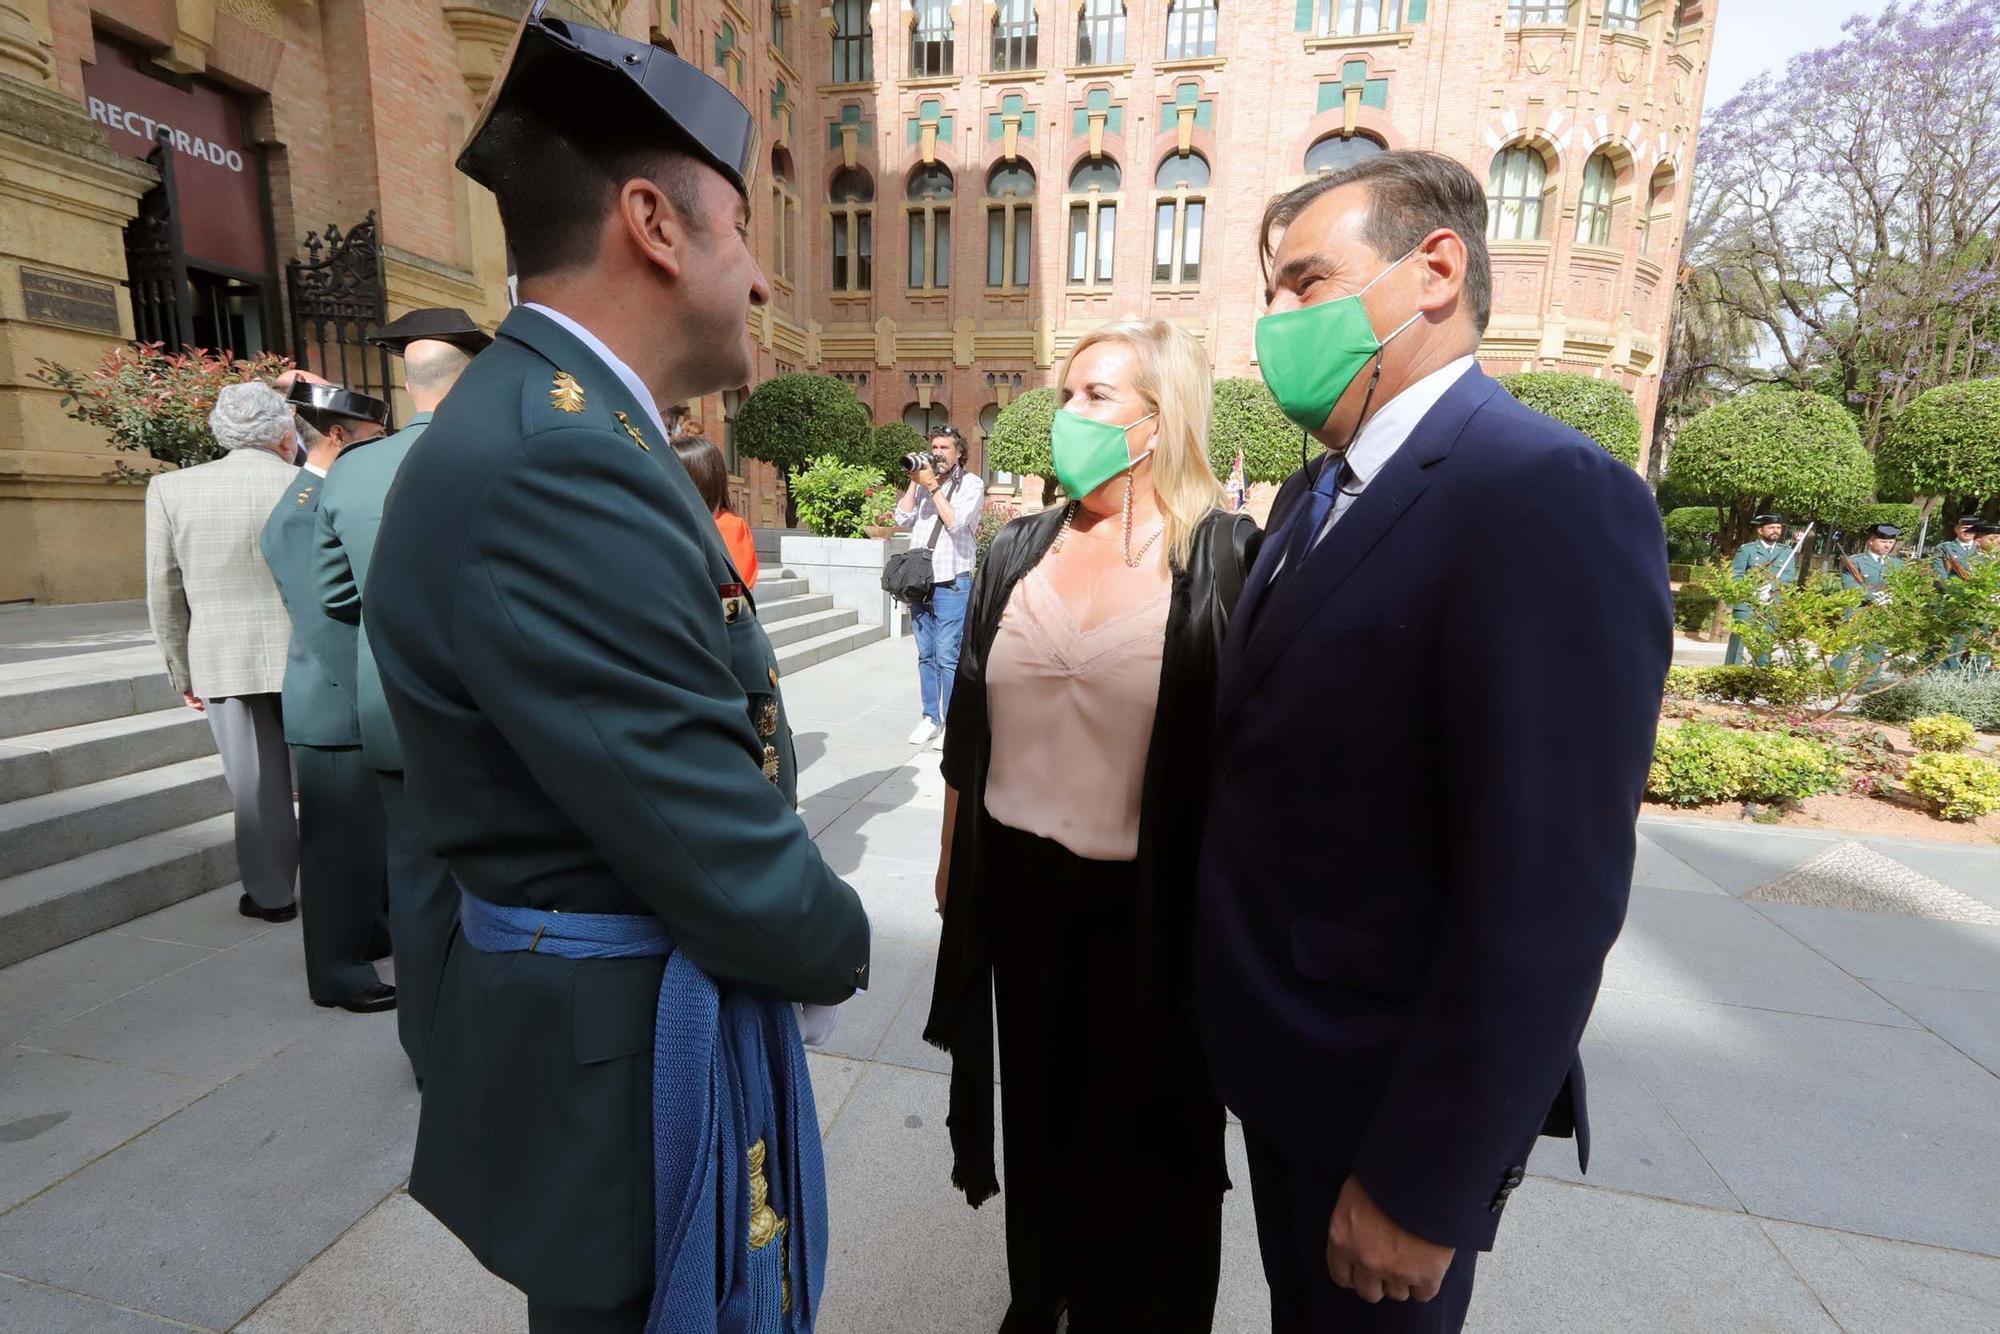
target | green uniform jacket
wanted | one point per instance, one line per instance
(1964, 552)
(1754, 555)
(350, 513)
(1873, 569)
(580, 715)
(319, 708)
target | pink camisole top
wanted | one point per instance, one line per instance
(1071, 712)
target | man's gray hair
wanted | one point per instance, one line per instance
(250, 416)
(1412, 193)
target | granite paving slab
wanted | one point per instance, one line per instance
(1967, 868)
(1737, 857)
(208, 919)
(1711, 947)
(1571, 1258)
(873, 828)
(208, 1213)
(1655, 868)
(1848, 875)
(211, 1020)
(397, 1271)
(1872, 1286)
(901, 896)
(74, 978)
(833, 1080)
(1849, 1125)
(1968, 1020)
(57, 1113)
(904, 1044)
(843, 770)
(894, 967)
(1875, 947)
(33, 1308)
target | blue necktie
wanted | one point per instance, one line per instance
(1311, 516)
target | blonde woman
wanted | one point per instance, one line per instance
(1079, 733)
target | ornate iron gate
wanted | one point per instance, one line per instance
(335, 298)
(156, 264)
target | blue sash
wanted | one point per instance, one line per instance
(739, 1186)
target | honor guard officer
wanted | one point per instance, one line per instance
(435, 345)
(1765, 553)
(1949, 559)
(340, 820)
(1868, 568)
(595, 742)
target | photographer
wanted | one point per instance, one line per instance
(942, 507)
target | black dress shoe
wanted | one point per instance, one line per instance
(249, 907)
(374, 1000)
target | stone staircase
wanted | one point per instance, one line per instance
(112, 802)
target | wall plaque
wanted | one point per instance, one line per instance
(50, 298)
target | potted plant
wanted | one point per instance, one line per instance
(880, 519)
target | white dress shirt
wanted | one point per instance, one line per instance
(1384, 433)
(633, 384)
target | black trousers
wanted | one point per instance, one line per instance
(1294, 1201)
(1113, 1169)
(341, 870)
(629, 1319)
(423, 908)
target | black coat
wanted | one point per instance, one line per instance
(1177, 759)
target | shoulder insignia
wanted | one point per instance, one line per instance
(305, 495)
(632, 431)
(565, 394)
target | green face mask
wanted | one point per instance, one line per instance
(1309, 356)
(1089, 453)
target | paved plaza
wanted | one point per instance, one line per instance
(1794, 1079)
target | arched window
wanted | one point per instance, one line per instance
(1334, 153)
(989, 417)
(1537, 13)
(1622, 15)
(781, 17)
(929, 210)
(1100, 33)
(1514, 194)
(784, 213)
(926, 419)
(1357, 18)
(1180, 204)
(853, 195)
(1190, 29)
(931, 39)
(853, 42)
(1593, 210)
(1010, 194)
(1654, 222)
(1014, 38)
(1093, 221)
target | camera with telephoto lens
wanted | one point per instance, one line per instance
(915, 462)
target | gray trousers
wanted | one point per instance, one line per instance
(256, 763)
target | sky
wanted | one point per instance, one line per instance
(1752, 36)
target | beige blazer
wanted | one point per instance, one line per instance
(214, 606)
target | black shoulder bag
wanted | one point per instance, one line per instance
(909, 576)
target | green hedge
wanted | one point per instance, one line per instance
(1697, 764)
(1693, 534)
(1738, 685)
(1694, 607)
(1973, 696)
(1600, 409)
(1246, 417)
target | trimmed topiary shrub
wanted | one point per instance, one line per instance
(888, 443)
(1020, 440)
(1941, 732)
(1945, 443)
(1906, 517)
(834, 498)
(1771, 449)
(1247, 418)
(1692, 534)
(1971, 695)
(1600, 409)
(791, 419)
(1958, 787)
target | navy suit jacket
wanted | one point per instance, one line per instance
(1433, 738)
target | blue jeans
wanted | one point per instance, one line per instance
(938, 625)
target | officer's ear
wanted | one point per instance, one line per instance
(657, 230)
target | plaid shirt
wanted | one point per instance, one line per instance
(214, 607)
(956, 548)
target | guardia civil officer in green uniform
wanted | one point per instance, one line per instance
(1868, 570)
(594, 739)
(340, 818)
(1767, 553)
(1949, 557)
(436, 345)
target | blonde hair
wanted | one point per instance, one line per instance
(1173, 377)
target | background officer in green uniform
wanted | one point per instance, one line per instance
(1765, 553)
(588, 709)
(1868, 569)
(340, 819)
(1950, 556)
(436, 345)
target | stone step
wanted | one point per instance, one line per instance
(820, 648)
(802, 628)
(58, 826)
(784, 609)
(46, 695)
(775, 585)
(53, 905)
(42, 762)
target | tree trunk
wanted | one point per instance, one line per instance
(791, 506)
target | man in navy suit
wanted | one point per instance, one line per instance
(1438, 700)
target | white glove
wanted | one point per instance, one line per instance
(817, 1022)
(1766, 593)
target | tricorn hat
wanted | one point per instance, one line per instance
(444, 324)
(1884, 530)
(1763, 519)
(1984, 527)
(317, 402)
(573, 73)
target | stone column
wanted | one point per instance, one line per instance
(67, 534)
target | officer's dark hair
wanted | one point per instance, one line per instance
(706, 470)
(1411, 194)
(555, 179)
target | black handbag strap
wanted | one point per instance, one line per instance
(937, 525)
